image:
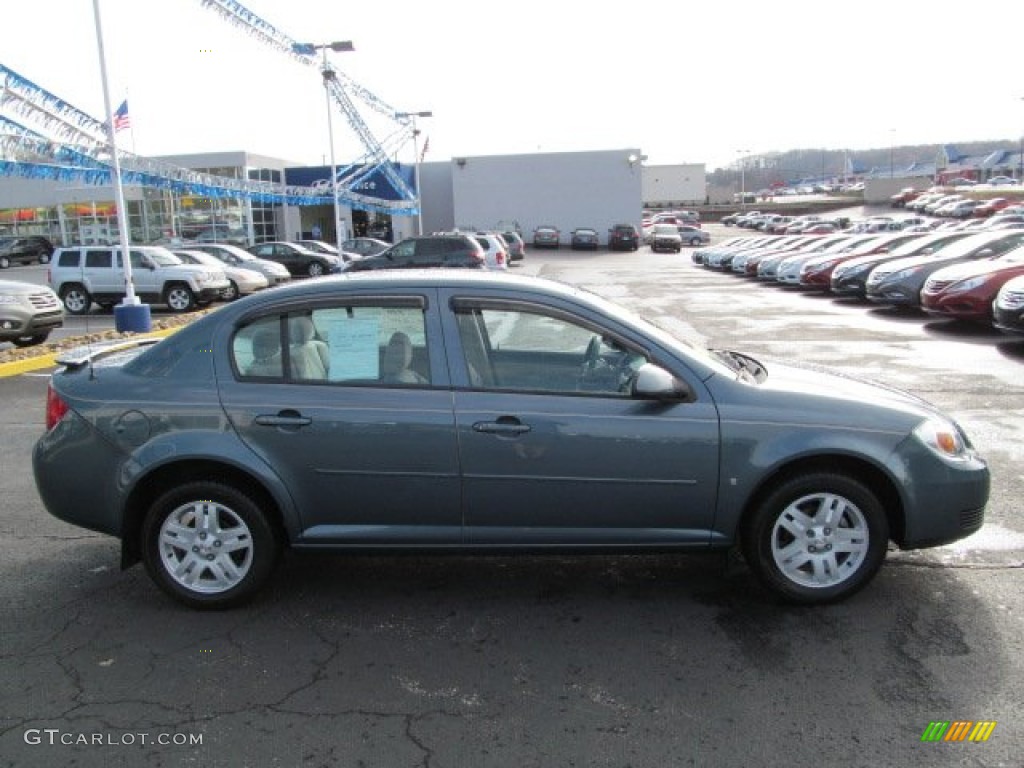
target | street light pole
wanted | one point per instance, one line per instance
(310, 49)
(892, 142)
(743, 176)
(416, 166)
(131, 314)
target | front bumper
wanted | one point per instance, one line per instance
(1008, 320)
(15, 326)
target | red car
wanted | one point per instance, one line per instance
(992, 206)
(967, 290)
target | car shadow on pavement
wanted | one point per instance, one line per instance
(963, 330)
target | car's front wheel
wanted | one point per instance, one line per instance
(816, 537)
(208, 544)
(31, 341)
(179, 298)
(231, 292)
(315, 269)
(4, 262)
(695, 241)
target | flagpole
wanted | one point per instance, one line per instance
(131, 124)
(131, 314)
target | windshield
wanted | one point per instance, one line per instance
(668, 331)
(162, 257)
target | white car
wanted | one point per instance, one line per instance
(495, 249)
(233, 256)
(243, 281)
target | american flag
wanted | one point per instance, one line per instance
(121, 119)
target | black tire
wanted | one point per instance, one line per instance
(179, 298)
(831, 551)
(695, 241)
(31, 341)
(77, 300)
(44, 258)
(231, 293)
(315, 269)
(185, 538)
(5, 262)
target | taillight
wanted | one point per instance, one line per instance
(55, 408)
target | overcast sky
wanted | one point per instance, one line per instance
(684, 82)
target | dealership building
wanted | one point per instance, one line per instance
(595, 189)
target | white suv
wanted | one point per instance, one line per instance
(82, 275)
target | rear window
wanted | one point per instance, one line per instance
(68, 258)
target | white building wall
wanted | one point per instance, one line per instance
(565, 189)
(674, 184)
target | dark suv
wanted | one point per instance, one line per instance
(454, 250)
(24, 250)
(623, 237)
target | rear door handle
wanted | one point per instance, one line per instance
(508, 426)
(287, 418)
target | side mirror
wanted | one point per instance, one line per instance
(652, 382)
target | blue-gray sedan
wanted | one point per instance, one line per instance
(450, 411)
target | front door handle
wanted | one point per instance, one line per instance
(286, 418)
(506, 426)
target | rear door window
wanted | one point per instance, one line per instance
(99, 259)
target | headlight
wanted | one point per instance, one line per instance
(944, 439)
(820, 266)
(903, 274)
(966, 285)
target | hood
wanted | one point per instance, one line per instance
(958, 272)
(830, 397)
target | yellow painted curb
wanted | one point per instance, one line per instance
(39, 362)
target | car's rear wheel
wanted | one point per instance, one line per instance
(817, 537)
(695, 241)
(44, 258)
(208, 544)
(4, 262)
(179, 298)
(77, 300)
(315, 269)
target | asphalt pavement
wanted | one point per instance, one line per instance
(544, 661)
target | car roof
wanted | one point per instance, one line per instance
(414, 279)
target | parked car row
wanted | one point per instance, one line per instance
(962, 274)
(777, 223)
(627, 237)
